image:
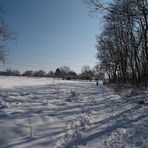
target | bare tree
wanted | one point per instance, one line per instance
(85, 68)
(64, 71)
(5, 34)
(87, 73)
(98, 72)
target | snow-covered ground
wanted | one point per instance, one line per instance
(11, 82)
(42, 112)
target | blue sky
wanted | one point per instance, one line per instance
(50, 34)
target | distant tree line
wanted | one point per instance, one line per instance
(123, 44)
(63, 72)
(10, 72)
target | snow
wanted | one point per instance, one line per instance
(10, 82)
(43, 113)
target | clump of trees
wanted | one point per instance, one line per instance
(98, 72)
(64, 72)
(123, 44)
(28, 73)
(87, 73)
(31, 73)
(40, 73)
(10, 72)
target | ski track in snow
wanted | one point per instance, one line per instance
(34, 113)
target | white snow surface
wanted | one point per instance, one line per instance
(48, 113)
(10, 82)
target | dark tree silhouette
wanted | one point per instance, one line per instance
(58, 73)
(28, 73)
(123, 44)
(39, 73)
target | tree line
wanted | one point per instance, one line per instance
(123, 44)
(63, 72)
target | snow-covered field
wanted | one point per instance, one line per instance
(42, 112)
